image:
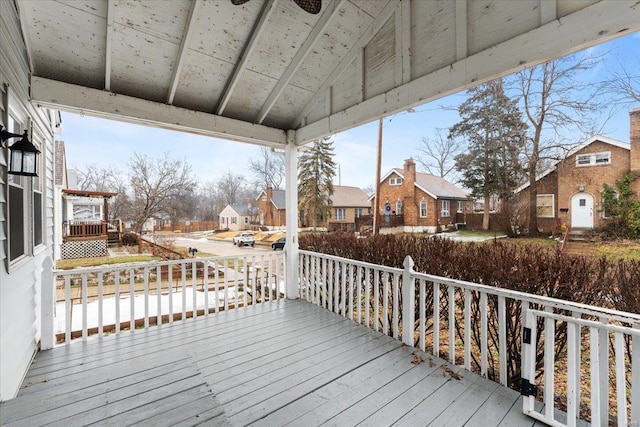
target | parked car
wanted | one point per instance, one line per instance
(279, 244)
(244, 239)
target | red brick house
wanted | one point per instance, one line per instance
(271, 208)
(570, 192)
(414, 202)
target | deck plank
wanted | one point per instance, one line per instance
(269, 364)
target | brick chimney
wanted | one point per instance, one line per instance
(409, 192)
(634, 141)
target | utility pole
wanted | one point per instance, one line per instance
(378, 167)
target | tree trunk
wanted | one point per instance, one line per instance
(485, 213)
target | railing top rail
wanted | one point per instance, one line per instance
(154, 264)
(586, 322)
(354, 262)
(590, 310)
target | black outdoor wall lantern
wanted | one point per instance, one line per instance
(24, 155)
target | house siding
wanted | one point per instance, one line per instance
(20, 280)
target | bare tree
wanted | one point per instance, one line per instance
(624, 85)
(154, 182)
(231, 187)
(554, 99)
(268, 167)
(437, 155)
(107, 180)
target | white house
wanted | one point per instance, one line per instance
(237, 216)
(27, 219)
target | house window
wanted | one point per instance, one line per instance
(264, 197)
(395, 181)
(545, 205)
(36, 183)
(602, 158)
(446, 209)
(234, 220)
(358, 212)
(398, 207)
(341, 214)
(423, 209)
(246, 220)
(17, 206)
(460, 206)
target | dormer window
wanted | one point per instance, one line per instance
(395, 181)
(592, 159)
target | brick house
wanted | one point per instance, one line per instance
(348, 203)
(271, 208)
(420, 202)
(570, 192)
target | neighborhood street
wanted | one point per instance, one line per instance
(218, 247)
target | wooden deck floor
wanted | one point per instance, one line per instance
(286, 362)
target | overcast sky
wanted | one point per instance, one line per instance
(110, 144)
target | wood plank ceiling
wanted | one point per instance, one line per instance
(254, 71)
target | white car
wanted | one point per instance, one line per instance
(244, 239)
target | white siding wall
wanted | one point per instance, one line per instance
(20, 286)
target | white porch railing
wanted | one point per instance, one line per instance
(517, 339)
(109, 299)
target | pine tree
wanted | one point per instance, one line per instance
(493, 127)
(315, 175)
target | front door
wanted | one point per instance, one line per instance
(582, 211)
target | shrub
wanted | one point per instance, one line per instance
(129, 239)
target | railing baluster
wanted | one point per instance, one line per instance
(100, 304)
(367, 298)
(396, 302)
(330, 284)
(85, 309)
(323, 283)
(68, 307)
(146, 297)
(386, 279)
(116, 283)
(376, 300)
(452, 324)
(359, 294)
(236, 281)
(502, 339)
(351, 266)
(423, 320)
(484, 345)
(549, 363)
(635, 377)
(205, 285)
(467, 329)
(573, 351)
(594, 351)
(183, 288)
(159, 295)
(436, 319)
(132, 301)
(603, 346)
(621, 382)
(170, 286)
(194, 289)
(528, 355)
(343, 282)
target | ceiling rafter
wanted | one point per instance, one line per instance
(265, 13)
(182, 53)
(108, 45)
(462, 34)
(300, 56)
(366, 37)
(548, 11)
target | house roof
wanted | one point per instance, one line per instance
(87, 193)
(278, 198)
(242, 209)
(435, 186)
(600, 138)
(346, 196)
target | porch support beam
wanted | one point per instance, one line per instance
(78, 99)
(182, 53)
(291, 191)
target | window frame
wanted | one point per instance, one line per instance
(341, 214)
(593, 159)
(423, 209)
(399, 207)
(445, 208)
(395, 181)
(358, 212)
(460, 206)
(552, 206)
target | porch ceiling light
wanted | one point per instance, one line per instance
(24, 155)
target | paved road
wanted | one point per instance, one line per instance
(218, 247)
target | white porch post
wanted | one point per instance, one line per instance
(291, 190)
(47, 300)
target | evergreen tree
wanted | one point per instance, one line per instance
(493, 127)
(315, 187)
